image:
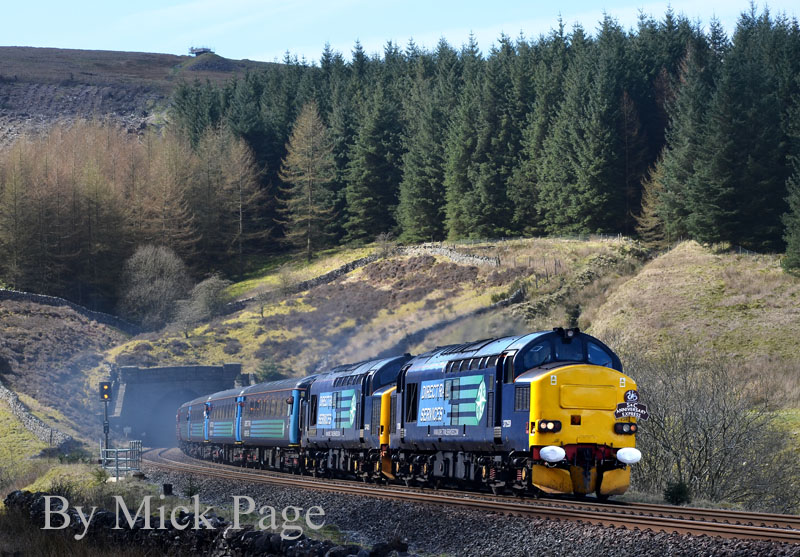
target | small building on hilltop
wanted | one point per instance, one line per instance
(200, 50)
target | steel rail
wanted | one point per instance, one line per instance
(780, 528)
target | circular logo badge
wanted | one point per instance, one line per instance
(631, 396)
(480, 401)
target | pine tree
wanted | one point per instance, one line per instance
(791, 221)
(683, 139)
(581, 188)
(374, 171)
(420, 212)
(548, 78)
(649, 222)
(308, 168)
(738, 194)
(459, 173)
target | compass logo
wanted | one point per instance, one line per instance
(353, 402)
(480, 401)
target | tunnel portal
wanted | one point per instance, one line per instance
(145, 400)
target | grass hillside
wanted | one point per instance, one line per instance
(400, 303)
(17, 447)
(107, 67)
(41, 86)
(44, 354)
(739, 306)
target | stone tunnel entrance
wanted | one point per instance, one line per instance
(145, 400)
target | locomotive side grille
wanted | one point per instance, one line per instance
(522, 398)
(376, 415)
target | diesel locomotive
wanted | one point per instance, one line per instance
(546, 412)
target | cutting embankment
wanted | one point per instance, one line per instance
(739, 307)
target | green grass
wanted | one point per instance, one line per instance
(295, 268)
(18, 446)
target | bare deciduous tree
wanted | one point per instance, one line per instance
(206, 301)
(154, 279)
(711, 430)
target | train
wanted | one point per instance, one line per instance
(549, 412)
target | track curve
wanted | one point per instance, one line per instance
(633, 516)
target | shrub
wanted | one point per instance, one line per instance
(678, 493)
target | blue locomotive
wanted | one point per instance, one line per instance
(546, 412)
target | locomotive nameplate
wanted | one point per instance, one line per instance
(631, 410)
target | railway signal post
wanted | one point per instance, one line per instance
(105, 396)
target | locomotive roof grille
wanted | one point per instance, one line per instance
(466, 347)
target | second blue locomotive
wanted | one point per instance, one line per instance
(544, 412)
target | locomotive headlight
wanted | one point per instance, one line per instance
(626, 428)
(552, 454)
(549, 426)
(629, 455)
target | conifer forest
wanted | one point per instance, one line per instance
(674, 129)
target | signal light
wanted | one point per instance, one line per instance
(105, 390)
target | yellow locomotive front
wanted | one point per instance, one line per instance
(582, 429)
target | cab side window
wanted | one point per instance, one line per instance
(537, 355)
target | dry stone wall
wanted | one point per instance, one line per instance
(452, 254)
(100, 317)
(42, 431)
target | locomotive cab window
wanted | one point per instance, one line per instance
(537, 355)
(569, 351)
(597, 355)
(312, 411)
(411, 402)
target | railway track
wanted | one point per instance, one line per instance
(632, 516)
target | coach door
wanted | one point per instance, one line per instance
(206, 417)
(238, 423)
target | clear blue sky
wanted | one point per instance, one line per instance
(265, 29)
